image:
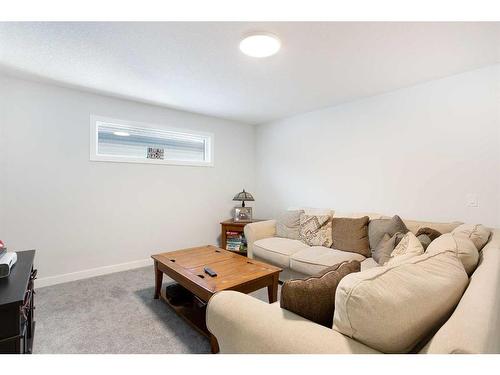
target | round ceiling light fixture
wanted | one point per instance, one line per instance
(260, 45)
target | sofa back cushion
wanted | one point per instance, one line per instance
(357, 215)
(392, 308)
(351, 234)
(477, 233)
(415, 225)
(463, 247)
(317, 211)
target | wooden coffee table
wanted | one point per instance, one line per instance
(234, 272)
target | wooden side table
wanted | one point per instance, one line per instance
(233, 226)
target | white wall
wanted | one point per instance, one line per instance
(82, 215)
(417, 152)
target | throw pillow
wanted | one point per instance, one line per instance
(378, 227)
(477, 233)
(430, 232)
(407, 248)
(425, 240)
(288, 224)
(426, 235)
(382, 253)
(314, 297)
(349, 234)
(316, 230)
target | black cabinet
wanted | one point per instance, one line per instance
(17, 325)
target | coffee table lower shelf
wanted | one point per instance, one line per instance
(193, 311)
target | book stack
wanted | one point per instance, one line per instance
(3, 249)
(235, 241)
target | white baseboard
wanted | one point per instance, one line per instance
(85, 274)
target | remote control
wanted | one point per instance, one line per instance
(210, 271)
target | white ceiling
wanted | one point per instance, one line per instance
(198, 67)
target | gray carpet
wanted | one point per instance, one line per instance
(114, 313)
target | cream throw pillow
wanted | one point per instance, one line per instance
(477, 233)
(288, 224)
(316, 230)
(393, 308)
(408, 247)
(459, 245)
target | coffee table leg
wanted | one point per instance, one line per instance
(158, 281)
(272, 290)
(214, 345)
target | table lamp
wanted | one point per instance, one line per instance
(243, 213)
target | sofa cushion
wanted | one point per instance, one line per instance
(351, 234)
(392, 308)
(313, 297)
(313, 211)
(288, 224)
(378, 227)
(415, 225)
(357, 215)
(316, 230)
(462, 246)
(316, 258)
(477, 233)
(277, 250)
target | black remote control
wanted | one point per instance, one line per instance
(210, 271)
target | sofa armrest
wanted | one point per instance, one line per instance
(257, 231)
(244, 324)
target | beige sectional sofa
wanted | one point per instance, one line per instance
(298, 259)
(243, 324)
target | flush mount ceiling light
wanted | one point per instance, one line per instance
(260, 45)
(121, 134)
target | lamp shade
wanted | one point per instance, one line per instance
(243, 196)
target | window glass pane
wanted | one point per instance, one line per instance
(147, 143)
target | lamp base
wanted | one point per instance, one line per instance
(243, 214)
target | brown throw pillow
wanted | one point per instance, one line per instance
(384, 249)
(382, 253)
(426, 236)
(351, 235)
(314, 297)
(378, 227)
(431, 233)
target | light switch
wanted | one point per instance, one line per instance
(472, 200)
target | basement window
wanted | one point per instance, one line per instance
(130, 142)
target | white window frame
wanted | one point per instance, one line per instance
(95, 156)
